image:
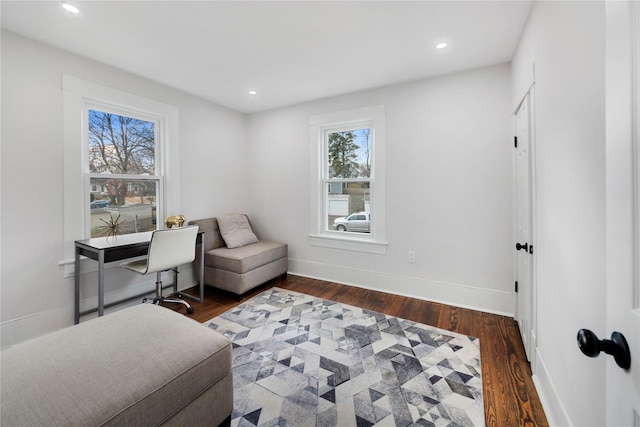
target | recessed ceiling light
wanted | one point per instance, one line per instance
(253, 92)
(70, 8)
(441, 45)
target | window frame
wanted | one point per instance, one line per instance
(77, 95)
(327, 179)
(321, 233)
(159, 149)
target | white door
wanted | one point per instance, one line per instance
(623, 194)
(524, 243)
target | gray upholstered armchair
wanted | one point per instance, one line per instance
(234, 258)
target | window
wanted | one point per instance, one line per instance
(121, 158)
(348, 176)
(122, 164)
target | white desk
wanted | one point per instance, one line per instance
(109, 249)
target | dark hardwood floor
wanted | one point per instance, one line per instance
(510, 398)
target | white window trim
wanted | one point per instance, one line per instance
(374, 242)
(160, 166)
(78, 96)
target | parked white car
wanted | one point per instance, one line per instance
(359, 221)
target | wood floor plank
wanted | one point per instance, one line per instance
(468, 322)
(497, 405)
(510, 397)
(520, 372)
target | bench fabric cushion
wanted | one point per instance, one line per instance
(138, 366)
(246, 258)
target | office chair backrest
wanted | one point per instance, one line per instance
(171, 247)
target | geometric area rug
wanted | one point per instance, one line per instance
(299, 360)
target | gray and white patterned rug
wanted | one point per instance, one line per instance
(300, 360)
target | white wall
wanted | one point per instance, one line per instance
(448, 177)
(565, 41)
(35, 296)
(449, 189)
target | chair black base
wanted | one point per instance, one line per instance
(173, 298)
(158, 301)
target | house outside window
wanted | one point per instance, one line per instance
(348, 167)
(123, 153)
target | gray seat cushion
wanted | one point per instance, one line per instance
(138, 366)
(246, 258)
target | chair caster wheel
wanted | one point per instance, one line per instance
(189, 310)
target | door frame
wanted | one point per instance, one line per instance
(622, 102)
(533, 341)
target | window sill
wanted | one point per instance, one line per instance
(348, 243)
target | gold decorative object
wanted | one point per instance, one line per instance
(111, 228)
(177, 220)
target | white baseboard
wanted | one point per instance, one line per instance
(551, 403)
(20, 329)
(534, 349)
(146, 287)
(459, 295)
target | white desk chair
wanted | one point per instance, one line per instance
(168, 249)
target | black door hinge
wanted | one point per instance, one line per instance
(515, 142)
(530, 249)
(516, 286)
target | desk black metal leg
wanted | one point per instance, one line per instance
(100, 283)
(76, 318)
(201, 281)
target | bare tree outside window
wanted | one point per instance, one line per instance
(121, 145)
(365, 152)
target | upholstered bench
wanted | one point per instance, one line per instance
(235, 259)
(140, 366)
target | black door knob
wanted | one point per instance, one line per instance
(617, 346)
(525, 247)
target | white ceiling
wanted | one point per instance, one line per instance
(288, 51)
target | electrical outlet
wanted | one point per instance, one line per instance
(412, 257)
